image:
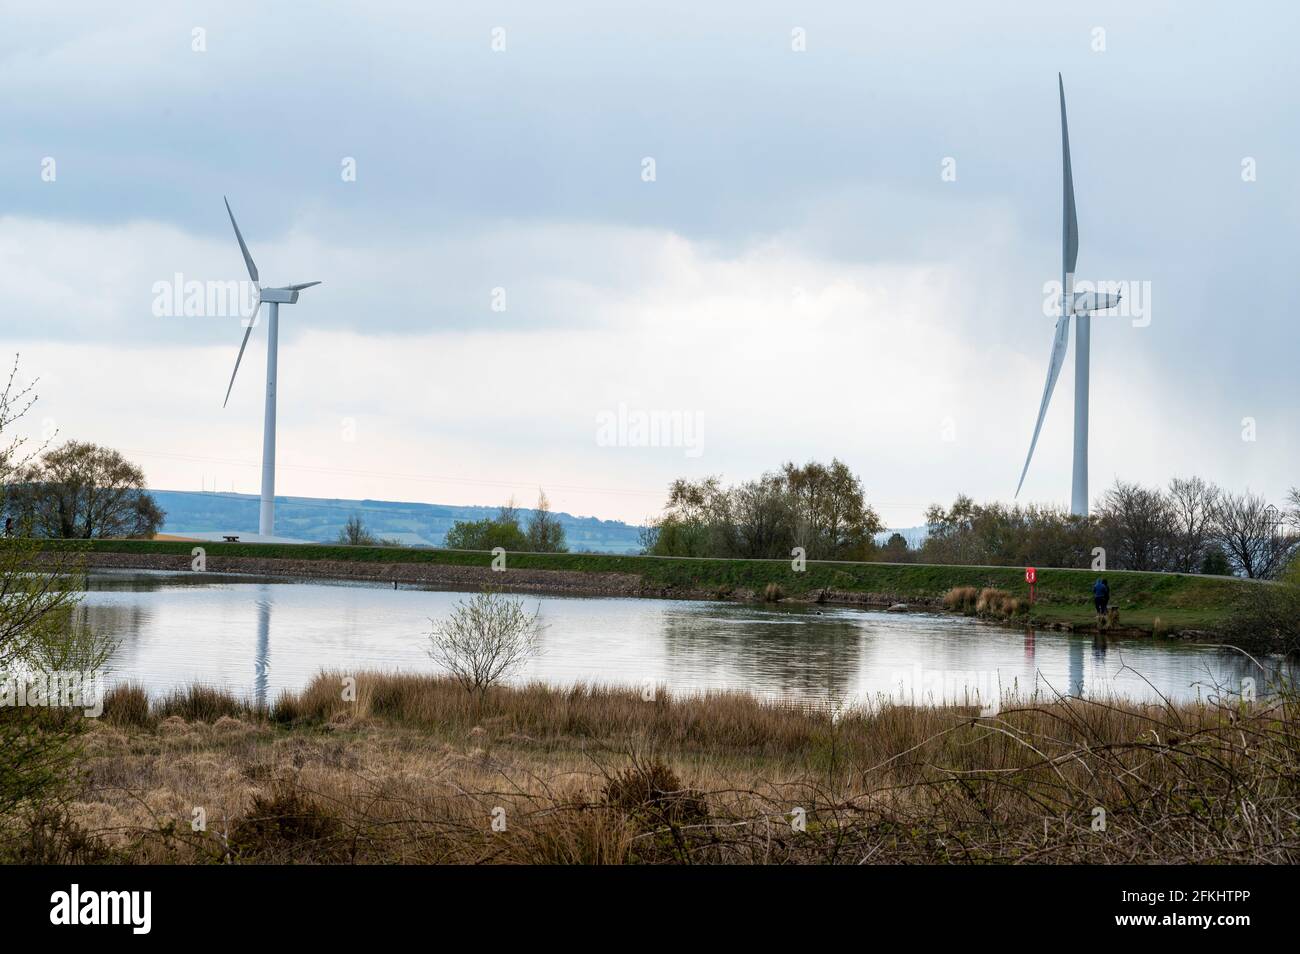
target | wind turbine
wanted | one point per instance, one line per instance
(1081, 305)
(274, 298)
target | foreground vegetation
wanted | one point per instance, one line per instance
(418, 769)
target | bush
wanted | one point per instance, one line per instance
(50, 836)
(1266, 616)
(287, 826)
(485, 640)
(653, 793)
(39, 636)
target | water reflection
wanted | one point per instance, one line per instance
(1076, 667)
(178, 628)
(766, 651)
(262, 659)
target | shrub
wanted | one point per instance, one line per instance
(50, 836)
(286, 826)
(1266, 616)
(485, 640)
(653, 792)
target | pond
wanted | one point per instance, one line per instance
(257, 637)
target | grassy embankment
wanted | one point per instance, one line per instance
(1161, 602)
(417, 770)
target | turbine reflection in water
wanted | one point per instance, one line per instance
(262, 659)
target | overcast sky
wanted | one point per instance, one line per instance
(799, 279)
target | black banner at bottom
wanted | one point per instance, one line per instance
(1221, 904)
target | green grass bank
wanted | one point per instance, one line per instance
(1149, 602)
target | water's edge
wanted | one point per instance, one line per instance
(553, 582)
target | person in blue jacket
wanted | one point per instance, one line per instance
(1101, 596)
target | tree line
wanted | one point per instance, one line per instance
(1190, 526)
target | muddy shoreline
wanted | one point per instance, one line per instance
(559, 582)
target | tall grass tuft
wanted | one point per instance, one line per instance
(199, 703)
(128, 705)
(999, 603)
(961, 599)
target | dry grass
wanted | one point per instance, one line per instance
(961, 599)
(994, 602)
(987, 601)
(414, 769)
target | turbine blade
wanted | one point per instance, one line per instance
(242, 345)
(248, 259)
(1069, 222)
(302, 286)
(1059, 347)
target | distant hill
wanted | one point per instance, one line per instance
(413, 524)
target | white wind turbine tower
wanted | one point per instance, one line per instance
(274, 298)
(1081, 305)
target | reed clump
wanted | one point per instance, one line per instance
(961, 599)
(999, 603)
(986, 601)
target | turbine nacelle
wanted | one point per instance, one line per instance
(1087, 302)
(283, 296)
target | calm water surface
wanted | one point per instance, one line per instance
(258, 636)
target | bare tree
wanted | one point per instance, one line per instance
(1137, 526)
(485, 640)
(1191, 508)
(545, 533)
(1253, 534)
(648, 535)
(15, 400)
(355, 534)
